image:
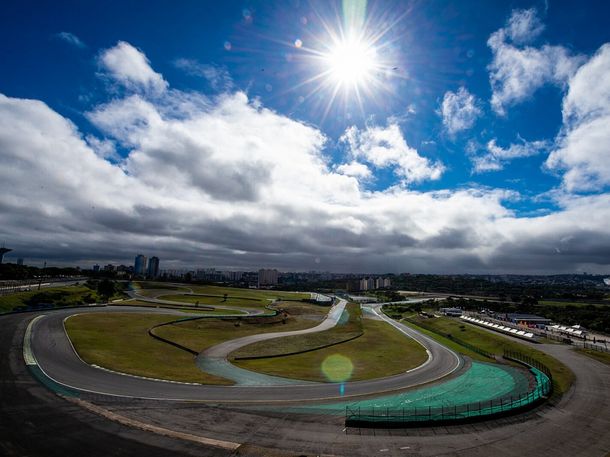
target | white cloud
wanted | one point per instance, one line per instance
(131, 68)
(496, 157)
(106, 149)
(460, 110)
(524, 26)
(206, 180)
(582, 146)
(515, 73)
(355, 169)
(386, 147)
(218, 77)
(71, 39)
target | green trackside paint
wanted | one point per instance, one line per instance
(30, 360)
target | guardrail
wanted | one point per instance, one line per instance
(384, 417)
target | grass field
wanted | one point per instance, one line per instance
(380, 351)
(490, 342)
(563, 304)
(603, 357)
(58, 296)
(147, 304)
(295, 308)
(143, 285)
(349, 326)
(119, 341)
(202, 334)
(219, 291)
(216, 300)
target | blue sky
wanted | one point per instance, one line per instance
(465, 137)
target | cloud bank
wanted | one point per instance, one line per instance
(226, 182)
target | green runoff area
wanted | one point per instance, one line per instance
(439, 327)
(603, 357)
(355, 349)
(576, 304)
(183, 308)
(120, 341)
(192, 293)
(360, 348)
(74, 295)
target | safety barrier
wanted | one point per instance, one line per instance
(595, 347)
(384, 417)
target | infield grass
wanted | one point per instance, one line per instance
(490, 342)
(380, 351)
(120, 342)
(57, 296)
(603, 357)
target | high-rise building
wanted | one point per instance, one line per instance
(364, 284)
(96, 268)
(139, 266)
(379, 283)
(267, 277)
(153, 267)
(387, 282)
(20, 261)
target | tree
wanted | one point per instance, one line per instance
(106, 289)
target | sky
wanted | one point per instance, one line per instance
(347, 136)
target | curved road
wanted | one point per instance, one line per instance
(214, 360)
(35, 422)
(56, 357)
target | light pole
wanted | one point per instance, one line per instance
(40, 279)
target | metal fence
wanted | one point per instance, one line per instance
(595, 347)
(383, 417)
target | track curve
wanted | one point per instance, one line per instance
(56, 357)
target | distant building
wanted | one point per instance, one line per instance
(96, 268)
(454, 312)
(528, 320)
(367, 284)
(267, 277)
(20, 261)
(139, 266)
(109, 267)
(233, 275)
(364, 284)
(379, 283)
(387, 283)
(153, 267)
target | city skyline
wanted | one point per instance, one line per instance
(423, 137)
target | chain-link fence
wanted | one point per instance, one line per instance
(384, 417)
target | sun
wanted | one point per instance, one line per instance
(351, 62)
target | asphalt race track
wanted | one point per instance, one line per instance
(37, 422)
(58, 360)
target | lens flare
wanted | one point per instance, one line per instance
(337, 368)
(351, 61)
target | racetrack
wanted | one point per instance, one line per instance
(57, 359)
(35, 422)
